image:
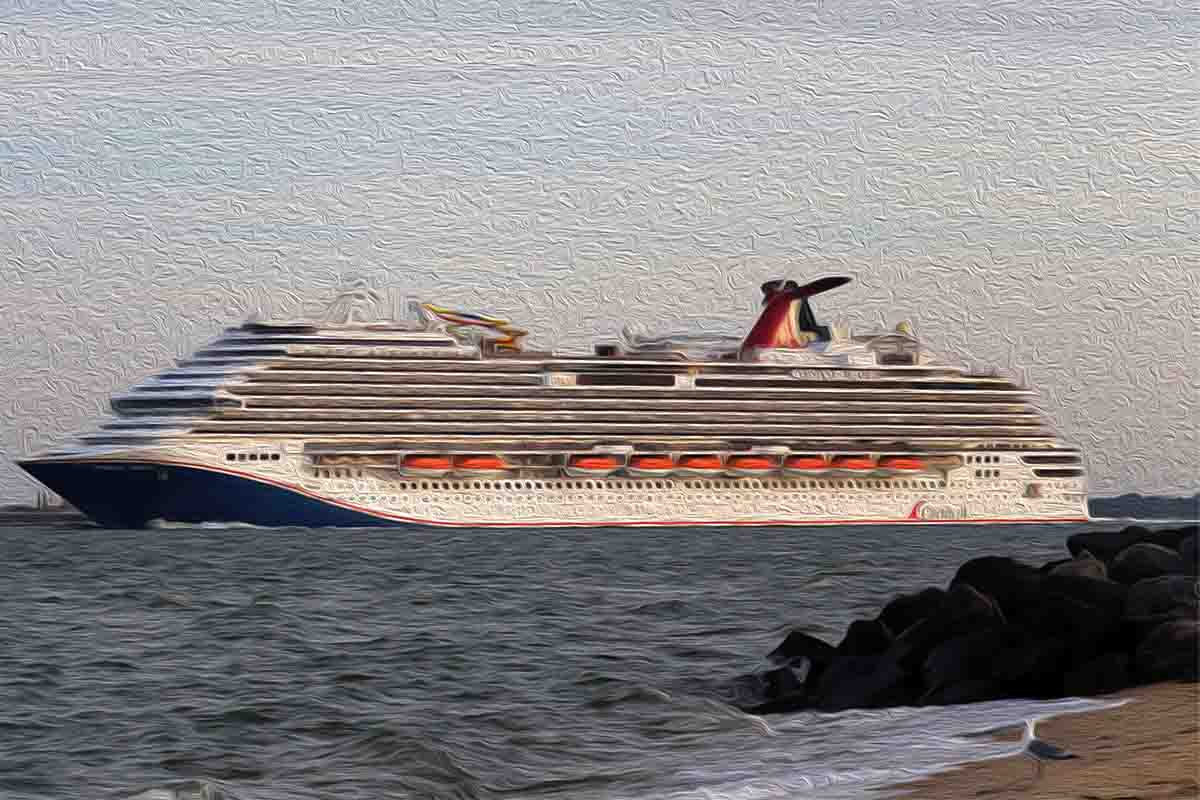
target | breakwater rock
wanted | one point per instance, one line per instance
(1121, 611)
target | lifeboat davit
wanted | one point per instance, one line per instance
(699, 465)
(902, 465)
(480, 465)
(852, 465)
(650, 466)
(750, 465)
(805, 465)
(592, 465)
(426, 465)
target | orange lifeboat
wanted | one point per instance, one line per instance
(699, 465)
(805, 465)
(654, 466)
(902, 465)
(592, 465)
(852, 465)
(750, 465)
(480, 465)
(426, 464)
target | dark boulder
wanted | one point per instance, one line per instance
(1084, 630)
(1007, 581)
(1187, 552)
(865, 638)
(864, 682)
(1046, 568)
(1105, 545)
(1169, 652)
(968, 691)
(965, 610)
(962, 658)
(1144, 560)
(798, 644)
(1029, 666)
(1085, 565)
(903, 612)
(1107, 673)
(1132, 631)
(1166, 594)
(1108, 596)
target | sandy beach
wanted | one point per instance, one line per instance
(1146, 748)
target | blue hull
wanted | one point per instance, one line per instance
(129, 495)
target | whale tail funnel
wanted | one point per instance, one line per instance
(787, 320)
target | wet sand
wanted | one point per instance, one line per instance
(1147, 748)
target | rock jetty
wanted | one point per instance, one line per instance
(1120, 612)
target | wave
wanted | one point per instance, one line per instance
(184, 790)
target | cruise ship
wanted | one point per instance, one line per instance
(379, 413)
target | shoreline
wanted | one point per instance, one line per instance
(1147, 747)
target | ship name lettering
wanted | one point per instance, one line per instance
(832, 375)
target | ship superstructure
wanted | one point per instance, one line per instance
(445, 419)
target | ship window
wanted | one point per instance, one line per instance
(241, 456)
(229, 456)
(274, 456)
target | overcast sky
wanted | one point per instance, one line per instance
(1018, 179)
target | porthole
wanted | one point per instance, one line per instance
(275, 456)
(229, 456)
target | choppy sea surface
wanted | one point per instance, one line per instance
(293, 663)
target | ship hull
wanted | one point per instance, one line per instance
(124, 493)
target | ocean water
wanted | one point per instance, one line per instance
(295, 663)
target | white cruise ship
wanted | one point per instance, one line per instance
(443, 419)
